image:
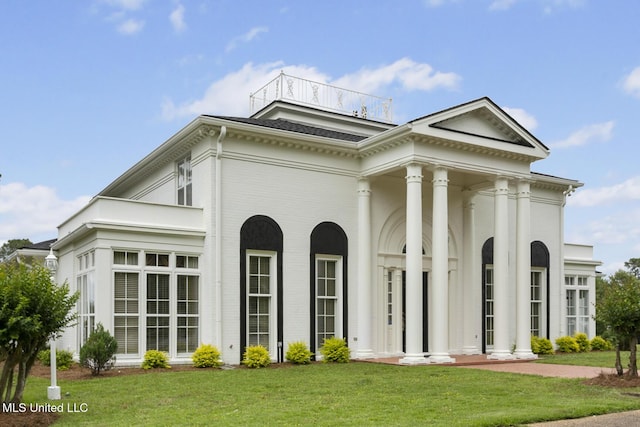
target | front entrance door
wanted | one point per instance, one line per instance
(425, 311)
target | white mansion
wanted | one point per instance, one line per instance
(318, 217)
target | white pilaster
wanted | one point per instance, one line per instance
(439, 283)
(364, 348)
(523, 272)
(413, 309)
(501, 350)
(471, 310)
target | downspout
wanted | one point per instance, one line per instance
(218, 240)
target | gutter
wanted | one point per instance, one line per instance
(218, 238)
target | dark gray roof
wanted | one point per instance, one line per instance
(45, 245)
(289, 126)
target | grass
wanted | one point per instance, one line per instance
(604, 359)
(359, 394)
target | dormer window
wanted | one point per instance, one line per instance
(185, 194)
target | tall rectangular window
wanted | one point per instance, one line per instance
(185, 193)
(187, 312)
(86, 303)
(488, 306)
(536, 303)
(126, 312)
(577, 309)
(158, 312)
(326, 299)
(259, 301)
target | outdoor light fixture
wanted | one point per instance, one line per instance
(53, 391)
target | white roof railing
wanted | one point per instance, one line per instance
(323, 96)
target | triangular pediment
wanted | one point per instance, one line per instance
(482, 122)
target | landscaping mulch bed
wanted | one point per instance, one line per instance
(613, 380)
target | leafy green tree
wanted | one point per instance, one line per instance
(11, 246)
(619, 311)
(32, 310)
(633, 265)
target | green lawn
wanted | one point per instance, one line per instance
(604, 359)
(362, 394)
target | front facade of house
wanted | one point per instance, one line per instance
(429, 238)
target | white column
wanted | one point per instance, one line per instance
(364, 348)
(472, 311)
(501, 350)
(413, 309)
(523, 272)
(439, 281)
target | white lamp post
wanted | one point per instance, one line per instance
(53, 392)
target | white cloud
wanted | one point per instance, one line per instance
(501, 4)
(26, 212)
(125, 4)
(525, 119)
(230, 95)
(130, 26)
(246, 38)
(631, 83)
(438, 3)
(177, 19)
(599, 132)
(624, 191)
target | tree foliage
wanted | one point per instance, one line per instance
(98, 353)
(32, 310)
(11, 246)
(619, 311)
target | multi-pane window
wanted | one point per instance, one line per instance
(536, 303)
(577, 304)
(126, 311)
(156, 260)
(86, 303)
(158, 312)
(187, 312)
(326, 299)
(488, 306)
(185, 193)
(125, 258)
(156, 305)
(259, 301)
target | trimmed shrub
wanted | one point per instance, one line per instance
(98, 353)
(256, 356)
(298, 353)
(64, 359)
(335, 350)
(541, 345)
(600, 344)
(206, 356)
(567, 344)
(584, 345)
(155, 359)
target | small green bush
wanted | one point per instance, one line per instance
(567, 344)
(600, 344)
(541, 345)
(206, 356)
(155, 359)
(64, 359)
(256, 356)
(98, 353)
(335, 350)
(584, 345)
(298, 353)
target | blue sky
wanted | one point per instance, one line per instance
(90, 87)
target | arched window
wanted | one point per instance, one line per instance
(261, 285)
(328, 281)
